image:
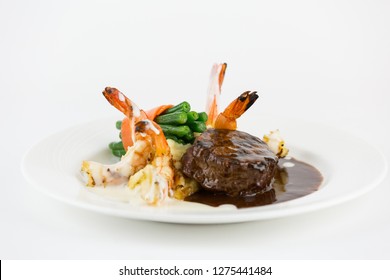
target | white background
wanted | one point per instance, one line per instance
(326, 61)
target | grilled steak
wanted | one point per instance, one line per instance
(230, 161)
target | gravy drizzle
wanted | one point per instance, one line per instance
(293, 179)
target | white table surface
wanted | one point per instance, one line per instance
(328, 62)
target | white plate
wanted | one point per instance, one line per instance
(350, 167)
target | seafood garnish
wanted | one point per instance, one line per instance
(227, 119)
(214, 91)
(155, 179)
(147, 163)
(136, 157)
(131, 111)
(276, 143)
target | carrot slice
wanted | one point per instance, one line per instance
(126, 131)
(153, 113)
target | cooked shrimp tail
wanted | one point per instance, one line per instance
(240, 105)
(123, 103)
(129, 109)
(227, 119)
(217, 76)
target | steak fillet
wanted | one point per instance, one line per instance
(230, 161)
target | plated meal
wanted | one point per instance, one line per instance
(175, 152)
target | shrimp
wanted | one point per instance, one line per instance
(156, 179)
(227, 119)
(217, 76)
(136, 157)
(123, 103)
(131, 111)
(139, 147)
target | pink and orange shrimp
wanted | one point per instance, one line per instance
(156, 179)
(217, 76)
(132, 113)
(228, 118)
(147, 163)
(136, 157)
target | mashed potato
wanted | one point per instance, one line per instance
(177, 151)
(183, 185)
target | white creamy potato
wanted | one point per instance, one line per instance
(177, 151)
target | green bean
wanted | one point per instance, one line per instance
(189, 138)
(178, 123)
(197, 126)
(118, 153)
(181, 107)
(202, 117)
(178, 131)
(192, 116)
(172, 118)
(116, 145)
(118, 125)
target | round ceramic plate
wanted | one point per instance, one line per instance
(350, 167)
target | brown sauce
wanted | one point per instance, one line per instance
(293, 179)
